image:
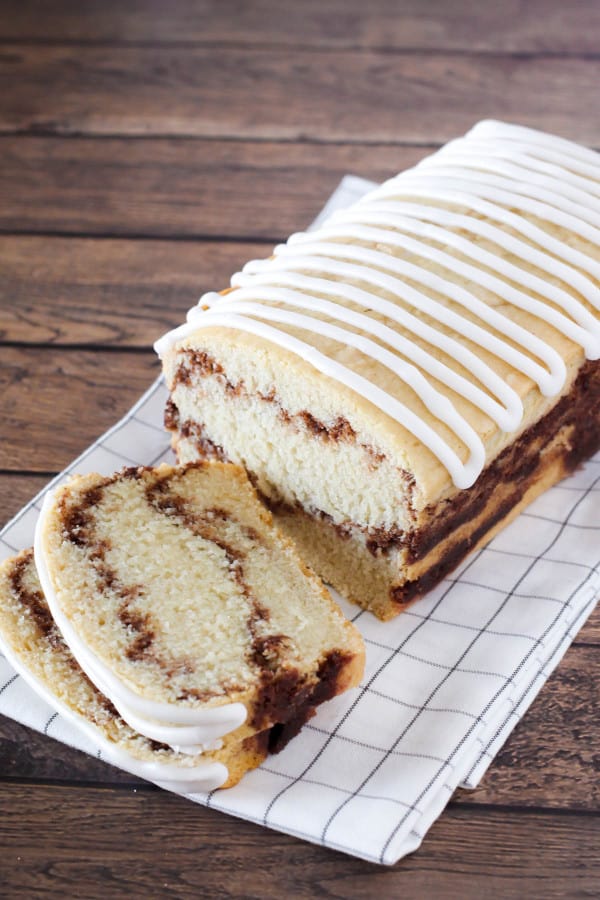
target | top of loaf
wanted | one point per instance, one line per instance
(443, 314)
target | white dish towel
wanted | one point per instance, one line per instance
(446, 682)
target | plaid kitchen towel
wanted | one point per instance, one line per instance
(445, 682)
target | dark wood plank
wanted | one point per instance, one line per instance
(552, 758)
(108, 292)
(15, 491)
(71, 841)
(341, 96)
(183, 188)
(515, 25)
(53, 404)
(26, 754)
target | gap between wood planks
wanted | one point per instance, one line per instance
(142, 236)
(222, 44)
(283, 140)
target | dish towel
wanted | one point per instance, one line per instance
(445, 683)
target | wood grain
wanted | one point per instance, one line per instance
(553, 752)
(53, 404)
(515, 25)
(272, 94)
(75, 839)
(146, 151)
(27, 755)
(178, 188)
(107, 292)
(15, 491)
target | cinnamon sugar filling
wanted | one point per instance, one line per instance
(35, 606)
(34, 601)
(579, 410)
(198, 364)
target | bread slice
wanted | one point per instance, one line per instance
(186, 607)
(34, 646)
(400, 382)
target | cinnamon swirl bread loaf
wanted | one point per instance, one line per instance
(401, 382)
(188, 610)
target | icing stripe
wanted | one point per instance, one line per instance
(494, 188)
(549, 384)
(546, 204)
(390, 213)
(589, 340)
(494, 170)
(441, 190)
(507, 417)
(458, 323)
(495, 130)
(537, 154)
(463, 474)
(469, 360)
(521, 166)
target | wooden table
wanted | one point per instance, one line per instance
(147, 149)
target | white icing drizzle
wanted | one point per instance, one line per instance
(393, 285)
(425, 218)
(527, 197)
(495, 169)
(522, 166)
(190, 730)
(540, 157)
(505, 414)
(438, 190)
(540, 140)
(463, 155)
(464, 474)
(589, 340)
(546, 381)
(190, 739)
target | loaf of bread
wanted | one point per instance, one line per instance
(188, 610)
(401, 382)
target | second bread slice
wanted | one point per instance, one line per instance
(187, 608)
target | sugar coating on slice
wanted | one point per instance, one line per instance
(176, 580)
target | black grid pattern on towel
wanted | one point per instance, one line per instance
(557, 620)
(390, 646)
(444, 685)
